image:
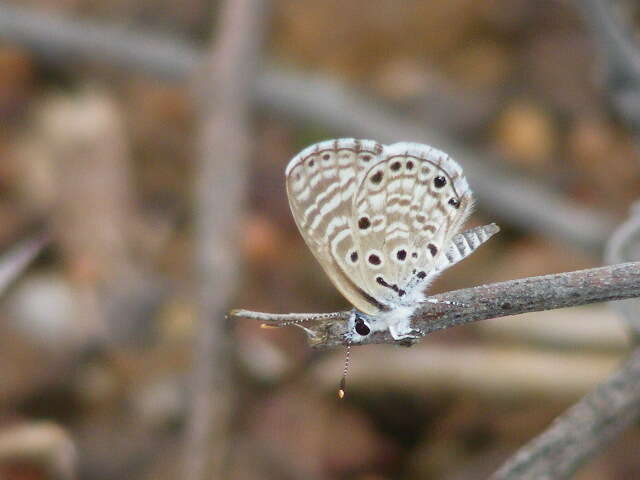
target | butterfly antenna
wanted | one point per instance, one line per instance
(343, 382)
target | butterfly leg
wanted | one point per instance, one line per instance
(400, 332)
(398, 322)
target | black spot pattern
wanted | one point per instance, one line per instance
(361, 327)
(364, 223)
(374, 259)
(354, 256)
(401, 255)
(395, 166)
(454, 202)
(377, 177)
(433, 249)
(439, 181)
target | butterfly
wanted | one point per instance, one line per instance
(383, 222)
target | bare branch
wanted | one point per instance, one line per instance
(223, 94)
(624, 246)
(43, 445)
(514, 199)
(532, 294)
(584, 429)
(487, 370)
(620, 57)
(509, 197)
(18, 258)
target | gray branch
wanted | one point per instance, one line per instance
(223, 91)
(532, 294)
(516, 200)
(596, 420)
(16, 260)
(620, 58)
(584, 429)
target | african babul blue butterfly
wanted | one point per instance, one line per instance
(383, 221)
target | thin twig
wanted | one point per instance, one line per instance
(488, 370)
(509, 197)
(624, 246)
(15, 261)
(620, 58)
(596, 420)
(587, 427)
(512, 198)
(223, 95)
(532, 294)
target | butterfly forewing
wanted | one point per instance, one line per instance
(321, 182)
(378, 218)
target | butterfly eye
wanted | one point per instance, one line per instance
(361, 327)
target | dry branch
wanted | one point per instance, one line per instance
(596, 420)
(16, 260)
(587, 427)
(624, 246)
(223, 94)
(532, 294)
(514, 199)
(620, 58)
(486, 370)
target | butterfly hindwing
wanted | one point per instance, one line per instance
(410, 204)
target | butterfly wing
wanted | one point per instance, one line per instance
(408, 207)
(321, 182)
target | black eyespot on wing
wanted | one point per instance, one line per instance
(409, 165)
(439, 181)
(377, 177)
(414, 254)
(374, 259)
(361, 327)
(433, 249)
(395, 166)
(454, 202)
(421, 275)
(326, 156)
(311, 163)
(364, 223)
(401, 255)
(354, 256)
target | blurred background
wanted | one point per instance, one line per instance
(142, 154)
